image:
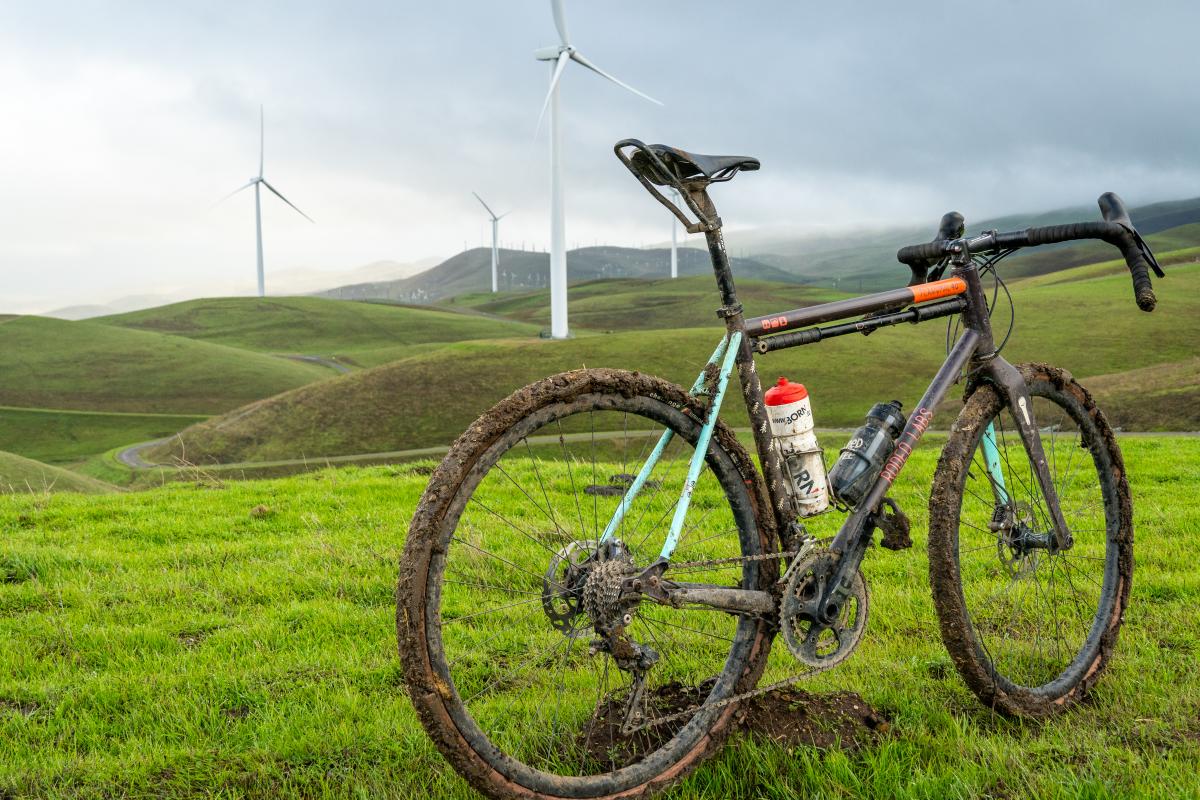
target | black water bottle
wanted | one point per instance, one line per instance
(863, 457)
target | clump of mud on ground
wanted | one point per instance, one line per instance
(786, 717)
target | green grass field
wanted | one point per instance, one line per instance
(237, 639)
(418, 402)
(357, 334)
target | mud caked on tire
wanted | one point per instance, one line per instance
(493, 632)
(1031, 629)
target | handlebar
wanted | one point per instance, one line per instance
(1117, 230)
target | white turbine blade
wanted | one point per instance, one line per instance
(560, 20)
(491, 213)
(261, 140)
(563, 58)
(289, 202)
(583, 62)
(235, 191)
(502, 216)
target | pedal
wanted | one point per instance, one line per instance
(895, 526)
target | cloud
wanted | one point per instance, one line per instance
(124, 123)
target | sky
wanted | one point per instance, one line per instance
(122, 124)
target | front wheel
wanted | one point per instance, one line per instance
(1030, 628)
(528, 671)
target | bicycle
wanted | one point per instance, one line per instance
(554, 639)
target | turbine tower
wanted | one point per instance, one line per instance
(258, 182)
(674, 236)
(559, 55)
(495, 238)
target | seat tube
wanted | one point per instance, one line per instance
(735, 322)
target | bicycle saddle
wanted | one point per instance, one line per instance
(687, 166)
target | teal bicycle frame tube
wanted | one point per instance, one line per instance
(991, 459)
(652, 460)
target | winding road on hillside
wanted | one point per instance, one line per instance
(321, 360)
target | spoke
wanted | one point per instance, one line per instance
(571, 474)
(538, 473)
(502, 560)
(685, 628)
(549, 516)
(507, 589)
(514, 526)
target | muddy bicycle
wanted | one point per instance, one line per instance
(597, 570)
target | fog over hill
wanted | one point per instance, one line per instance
(854, 260)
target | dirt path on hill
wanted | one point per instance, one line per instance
(322, 361)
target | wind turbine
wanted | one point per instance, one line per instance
(495, 240)
(559, 55)
(258, 182)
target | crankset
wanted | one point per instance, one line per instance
(818, 644)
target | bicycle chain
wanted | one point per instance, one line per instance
(687, 713)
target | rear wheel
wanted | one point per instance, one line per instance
(507, 602)
(1030, 627)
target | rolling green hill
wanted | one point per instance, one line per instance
(418, 402)
(19, 475)
(349, 332)
(51, 363)
(627, 304)
(470, 271)
(57, 436)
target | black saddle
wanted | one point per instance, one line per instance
(685, 166)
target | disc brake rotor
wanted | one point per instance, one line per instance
(562, 585)
(814, 643)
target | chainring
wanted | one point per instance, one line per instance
(816, 644)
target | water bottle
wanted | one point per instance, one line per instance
(863, 457)
(791, 417)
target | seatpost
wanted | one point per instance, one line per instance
(783, 509)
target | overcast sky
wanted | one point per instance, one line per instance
(122, 123)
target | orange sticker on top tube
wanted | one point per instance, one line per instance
(936, 289)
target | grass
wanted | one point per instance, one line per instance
(65, 437)
(19, 475)
(350, 332)
(237, 639)
(88, 366)
(418, 402)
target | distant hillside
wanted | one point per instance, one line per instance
(351, 332)
(471, 271)
(627, 303)
(417, 402)
(20, 475)
(51, 363)
(866, 260)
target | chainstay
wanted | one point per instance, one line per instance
(808, 546)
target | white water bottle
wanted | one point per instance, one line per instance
(790, 413)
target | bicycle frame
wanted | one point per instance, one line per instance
(974, 350)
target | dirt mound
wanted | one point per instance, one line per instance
(787, 717)
(791, 717)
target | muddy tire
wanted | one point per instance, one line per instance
(475, 698)
(1031, 629)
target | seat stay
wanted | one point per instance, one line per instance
(719, 354)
